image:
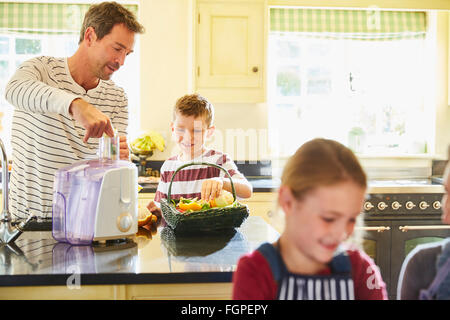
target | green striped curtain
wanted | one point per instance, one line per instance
(49, 18)
(370, 24)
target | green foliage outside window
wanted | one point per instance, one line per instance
(28, 46)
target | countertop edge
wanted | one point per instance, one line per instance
(114, 279)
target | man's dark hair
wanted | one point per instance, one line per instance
(104, 16)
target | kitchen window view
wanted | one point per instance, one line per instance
(369, 94)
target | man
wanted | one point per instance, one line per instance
(63, 105)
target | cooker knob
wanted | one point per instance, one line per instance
(437, 205)
(409, 205)
(396, 205)
(382, 205)
(368, 205)
(423, 205)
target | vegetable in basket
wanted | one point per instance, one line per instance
(187, 205)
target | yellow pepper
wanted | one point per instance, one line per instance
(194, 206)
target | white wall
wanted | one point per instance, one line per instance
(443, 109)
(165, 61)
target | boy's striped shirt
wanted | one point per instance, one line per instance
(188, 182)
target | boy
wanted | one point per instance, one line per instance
(192, 125)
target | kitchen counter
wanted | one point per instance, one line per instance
(36, 259)
(271, 184)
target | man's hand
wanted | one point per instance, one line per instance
(124, 150)
(94, 121)
(211, 188)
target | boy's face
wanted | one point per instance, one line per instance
(190, 133)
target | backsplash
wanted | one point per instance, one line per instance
(246, 167)
(438, 167)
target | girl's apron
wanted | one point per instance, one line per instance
(336, 286)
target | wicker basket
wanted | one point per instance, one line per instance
(213, 219)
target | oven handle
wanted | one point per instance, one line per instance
(377, 229)
(407, 228)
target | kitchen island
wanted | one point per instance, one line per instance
(158, 266)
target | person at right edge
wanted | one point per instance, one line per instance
(322, 192)
(425, 272)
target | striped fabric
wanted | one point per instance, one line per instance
(296, 287)
(55, 18)
(44, 137)
(188, 182)
(349, 24)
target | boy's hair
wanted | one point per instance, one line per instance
(104, 16)
(321, 162)
(195, 105)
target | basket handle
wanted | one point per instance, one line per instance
(198, 164)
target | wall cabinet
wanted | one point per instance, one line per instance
(230, 51)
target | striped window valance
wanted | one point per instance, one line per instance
(50, 18)
(370, 24)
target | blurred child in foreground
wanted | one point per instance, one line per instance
(322, 191)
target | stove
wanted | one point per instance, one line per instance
(398, 216)
(402, 198)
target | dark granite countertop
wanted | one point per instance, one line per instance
(37, 259)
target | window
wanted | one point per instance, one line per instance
(368, 95)
(17, 46)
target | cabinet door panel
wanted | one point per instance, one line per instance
(230, 51)
(377, 245)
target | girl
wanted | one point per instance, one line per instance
(322, 192)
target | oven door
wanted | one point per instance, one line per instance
(406, 235)
(377, 245)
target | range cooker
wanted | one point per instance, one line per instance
(398, 216)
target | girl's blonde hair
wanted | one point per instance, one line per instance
(321, 162)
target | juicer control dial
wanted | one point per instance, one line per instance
(382, 205)
(409, 205)
(423, 205)
(368, 205)
(124, 222)
(437, 205)
(396, 205)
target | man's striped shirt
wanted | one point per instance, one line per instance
(187, 183)
(44, 136)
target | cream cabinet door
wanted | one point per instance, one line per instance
(145, 198)
(230, 51)
(264, 205)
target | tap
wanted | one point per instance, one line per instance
(8, 232)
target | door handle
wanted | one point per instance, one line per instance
(377, 229)
(407, 228)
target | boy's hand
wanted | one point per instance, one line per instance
(211, 188)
